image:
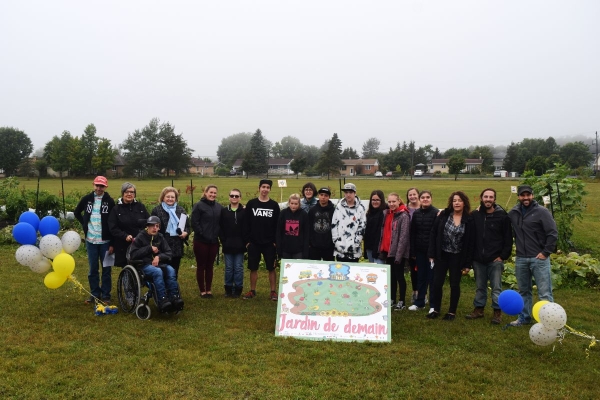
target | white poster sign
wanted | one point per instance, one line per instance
(327, 300)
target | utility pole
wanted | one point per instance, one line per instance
(596, 160)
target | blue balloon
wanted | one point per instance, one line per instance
(510, 302)
(49, 226)
(31, 218)
(24, 233)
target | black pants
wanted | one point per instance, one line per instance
(449, 262)
(397, 279)
(414, 276)
(315, 253)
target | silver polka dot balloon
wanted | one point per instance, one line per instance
(71, 241)
(28, 255)
(51, 246)
(542, 335)
(553, 316)
(42, 266)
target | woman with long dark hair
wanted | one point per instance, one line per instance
(412, 197)
(451, 250)
(373, 229)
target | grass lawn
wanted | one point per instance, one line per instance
(54, 347)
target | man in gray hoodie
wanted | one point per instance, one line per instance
(535, 238)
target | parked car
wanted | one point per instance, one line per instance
(389, 173)
(378, 173)
(500, 174)
(418, 173)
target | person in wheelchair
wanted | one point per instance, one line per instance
(151, 248)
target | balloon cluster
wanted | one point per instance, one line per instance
(53, 252)
(550, 318)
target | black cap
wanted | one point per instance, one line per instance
(325, 190)
(524, 188)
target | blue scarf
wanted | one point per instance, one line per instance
(173, 220)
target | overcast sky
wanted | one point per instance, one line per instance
(447, 73)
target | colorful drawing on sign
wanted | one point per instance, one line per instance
(338, 301)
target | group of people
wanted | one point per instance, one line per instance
(431, 243)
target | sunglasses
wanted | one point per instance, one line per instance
(234, 196)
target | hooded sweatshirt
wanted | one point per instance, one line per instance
(347, 228)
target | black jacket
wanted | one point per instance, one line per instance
(420, 229)
(141, 248)
(535, 232)
(435, 242)
(493, 237)
(83, 211)
(206, 215)
(319, 223)
(230, 232)
(124, 220)
(373, 231)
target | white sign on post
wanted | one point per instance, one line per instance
(329, 300)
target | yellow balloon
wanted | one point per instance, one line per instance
(54, 280)
(64, 264)
(535, 312)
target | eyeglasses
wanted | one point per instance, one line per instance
(308, 189)
(234, 196)
(129, 192)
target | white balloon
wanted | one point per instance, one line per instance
(542, 335)
(553, 316)
(51, 246)
(71, 241)
(28, 255)
(42, 266)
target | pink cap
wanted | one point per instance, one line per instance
(100, 180)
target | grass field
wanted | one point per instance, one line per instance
(54, 347)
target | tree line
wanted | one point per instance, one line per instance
(156, 149)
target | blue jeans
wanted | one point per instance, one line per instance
(164, 280)
(424, 280)
(234, 269)
(373, 260)
(525, 269)
(96, 254)
(485, 272)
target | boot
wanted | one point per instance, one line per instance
(477, 313)
(237, 291)
(497, 318)
(165, 305)
(228, 291)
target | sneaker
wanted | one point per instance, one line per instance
(414, 308)
(250, 295)
(433, 315)
(90, 300)
(177, 303)
(273, 295)
(165, 305)
(517, 322)
(449, 317)
(106, 301)
(399, 306)
(431, 310)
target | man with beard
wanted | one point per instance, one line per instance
(493, 245)
(535, 238)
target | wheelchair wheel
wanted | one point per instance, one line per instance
(143, 311)
(129, 289)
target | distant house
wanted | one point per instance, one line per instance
(441, 164)
(116, 170)
(277, 166)
(202, 167)
(359, 166)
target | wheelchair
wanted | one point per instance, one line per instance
(129, 291)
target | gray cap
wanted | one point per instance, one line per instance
(524, 188)
(349, 187)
